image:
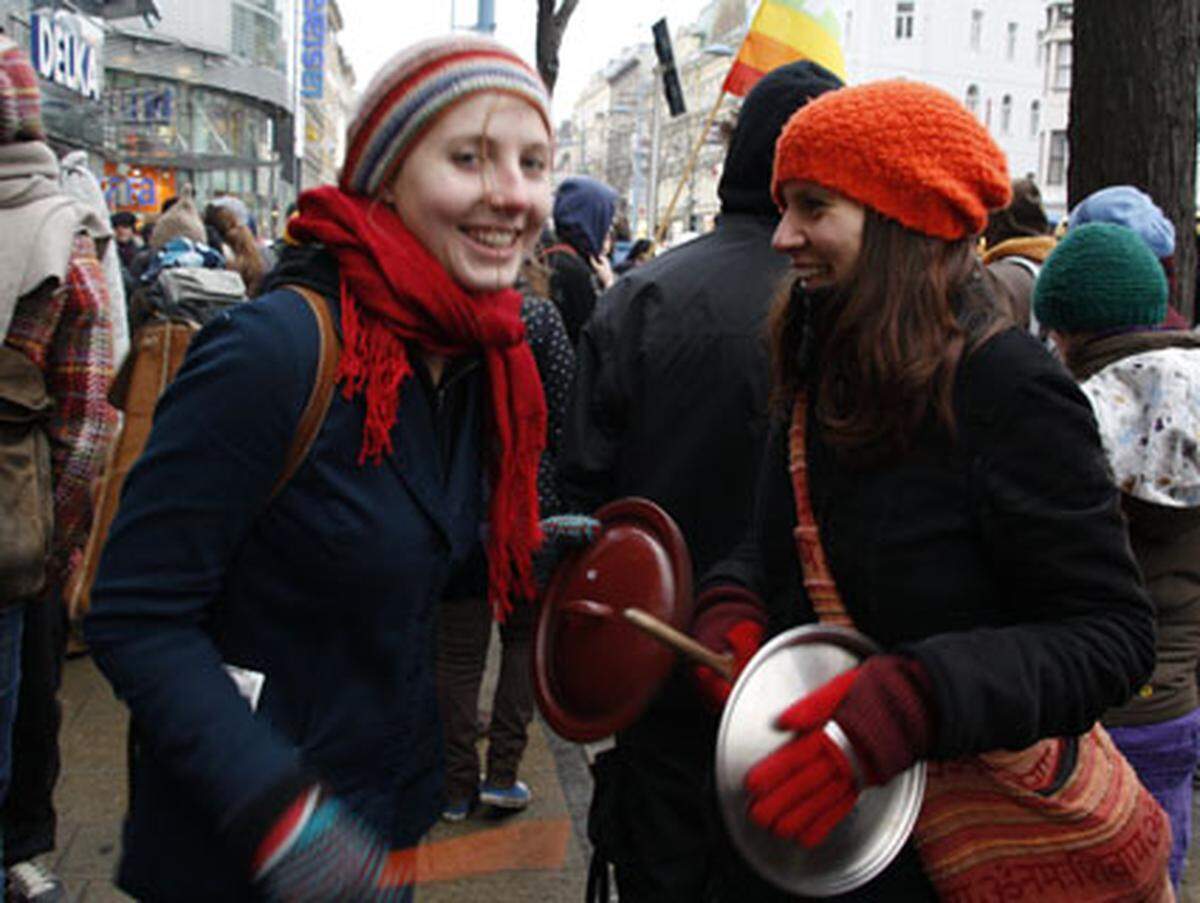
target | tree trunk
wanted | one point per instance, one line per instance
(551, 24)
(1133, 112)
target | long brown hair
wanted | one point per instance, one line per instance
(247, 259)
(886, 346)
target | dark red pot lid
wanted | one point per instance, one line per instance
(594, 672)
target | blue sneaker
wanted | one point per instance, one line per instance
(456, 811)
(515, 797)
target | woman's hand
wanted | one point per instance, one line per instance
(862, 728)
(603, 270)
(741, 640)
(562, 534)
(327, 855)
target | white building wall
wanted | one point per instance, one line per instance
(940, 52)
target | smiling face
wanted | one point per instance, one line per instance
(821, 231)
(476, 189)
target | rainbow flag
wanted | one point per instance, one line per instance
(782, 32)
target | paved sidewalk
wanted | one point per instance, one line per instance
(536, 855)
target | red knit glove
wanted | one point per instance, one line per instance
(883, 709)
(743, 639)
(731, 620)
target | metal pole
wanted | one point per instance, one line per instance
(486, 22)
(691, 164)
(655, 141)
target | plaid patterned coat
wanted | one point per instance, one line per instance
(67, 333)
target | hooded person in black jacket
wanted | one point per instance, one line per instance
(579, 267)
(671, 404)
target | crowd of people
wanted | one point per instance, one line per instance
(880, 393)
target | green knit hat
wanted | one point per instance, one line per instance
(1100, 276)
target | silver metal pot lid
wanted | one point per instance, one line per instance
(794, 663)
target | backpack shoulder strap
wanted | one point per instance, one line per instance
(321, 395)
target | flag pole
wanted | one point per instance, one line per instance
(665, 222)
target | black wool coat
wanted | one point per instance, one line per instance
(1000, 561)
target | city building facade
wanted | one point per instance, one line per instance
(326, 92)
(1002, 58)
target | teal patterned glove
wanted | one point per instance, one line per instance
(562, 534)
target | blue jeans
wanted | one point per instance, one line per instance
(12, 622)
(1164, 755)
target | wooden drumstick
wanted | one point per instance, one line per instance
(680, 642)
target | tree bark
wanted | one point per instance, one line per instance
(1133, 112)
(551, 24)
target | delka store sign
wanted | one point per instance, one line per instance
(66, 51)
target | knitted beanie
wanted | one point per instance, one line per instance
(1126, 206)
(20, 97)
(1100, 276)
(417, 85)
(907, 150)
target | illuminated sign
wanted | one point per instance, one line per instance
(65, 49)
(312, 51)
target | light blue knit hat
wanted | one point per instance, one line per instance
(1129, 207)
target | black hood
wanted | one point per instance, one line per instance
(308, 265)
(746, 180)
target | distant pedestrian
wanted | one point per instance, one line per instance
(465, 622)
(578, 260)
(128, 241)
(1103, 294)
(55, 367)
(1017, 242)
(275, 646)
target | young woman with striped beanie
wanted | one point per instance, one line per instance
(274, 643)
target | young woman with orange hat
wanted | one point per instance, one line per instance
(276, 648)
(957, 505)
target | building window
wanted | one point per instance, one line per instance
(1035, 118)
(987, 113)
(1041, 46)
(905, 13)
(1062, 66)
(849, 27)
(1056, 164)
(1010, 50)
(973, 99)
(976, 28)
(1005, 114)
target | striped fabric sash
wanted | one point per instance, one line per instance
(994, 827)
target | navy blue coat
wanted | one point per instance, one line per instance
(329, 591)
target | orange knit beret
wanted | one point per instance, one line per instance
(910, 151)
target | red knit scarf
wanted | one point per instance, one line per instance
(395, 292)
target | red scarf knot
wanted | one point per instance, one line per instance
(394, 294)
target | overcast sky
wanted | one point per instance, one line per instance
(375, 29)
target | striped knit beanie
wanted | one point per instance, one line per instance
(907, 150)
(20, 97)
(1100, 276)
(417, 85)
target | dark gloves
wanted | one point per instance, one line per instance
(562, 534)
(731, 620)
(319, 851)
(862, 728)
